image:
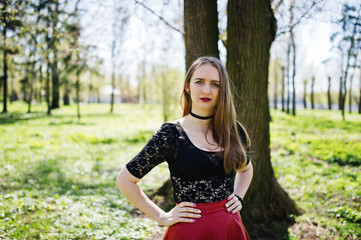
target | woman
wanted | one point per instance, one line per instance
(207, 155)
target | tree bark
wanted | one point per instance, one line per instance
(251, 30)
(329, 94)
(200, 29)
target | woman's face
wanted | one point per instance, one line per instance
(204, 89)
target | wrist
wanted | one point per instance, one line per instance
(240, 199)
(161, 218)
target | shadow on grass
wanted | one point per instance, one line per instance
(50, 175)
(71, 119)
(10, 118)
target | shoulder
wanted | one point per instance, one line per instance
(169, 129)
(242, 134)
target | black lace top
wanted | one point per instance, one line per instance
(197, 176)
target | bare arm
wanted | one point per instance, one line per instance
(127, 184)
(241, 184)
(243, 180)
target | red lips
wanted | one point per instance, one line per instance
(206, 99)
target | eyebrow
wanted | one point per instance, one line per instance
(213, 80)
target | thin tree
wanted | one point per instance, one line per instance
(293, 46)
(350, 90)
(276, 69)
(10, 22)
(304, 93)
(288, 66)
(347, 43)
(359, 101)
(54, 49)
(34, 34)
(312, 92)
(329, 100)
(250, 32)
(283, 89)
(119, 21)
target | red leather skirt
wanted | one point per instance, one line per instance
(215, 223)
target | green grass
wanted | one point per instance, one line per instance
(57, 173)
(316, 157)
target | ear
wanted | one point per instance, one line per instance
(187, 88)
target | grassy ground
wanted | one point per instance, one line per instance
(57, 173)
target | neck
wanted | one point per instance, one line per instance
(201, 117)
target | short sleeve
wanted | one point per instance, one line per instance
(242, 135)
(161, 147)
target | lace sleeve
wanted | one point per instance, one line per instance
(160, 148)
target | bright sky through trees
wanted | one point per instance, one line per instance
(147, 38)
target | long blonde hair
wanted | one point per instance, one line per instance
(224, 124)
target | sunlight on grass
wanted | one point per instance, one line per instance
(57, 173)
(317, 158)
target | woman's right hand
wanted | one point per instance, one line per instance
(183, 212)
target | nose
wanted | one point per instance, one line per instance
(206, 88)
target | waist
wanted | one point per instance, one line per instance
(212, 207)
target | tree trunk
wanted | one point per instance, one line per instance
(283, 89)
(201, 29)
(5, 67)
(251, 30)
(113, 73)
(47, 86)
(40, 96)
(54, 65)
(77, 93)
(305, 94)
(275, 97)
(359, 101)
(312, 93)
(288, 75)
(329, 94)
(32, 79)
(350, 93)
(48, 65)
(293, 45)
(340, 95)
(113, 86)
(66, 96)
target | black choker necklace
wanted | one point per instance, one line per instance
(200, 117)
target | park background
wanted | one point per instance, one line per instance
(85, 84)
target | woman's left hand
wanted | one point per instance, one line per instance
(233, 205)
